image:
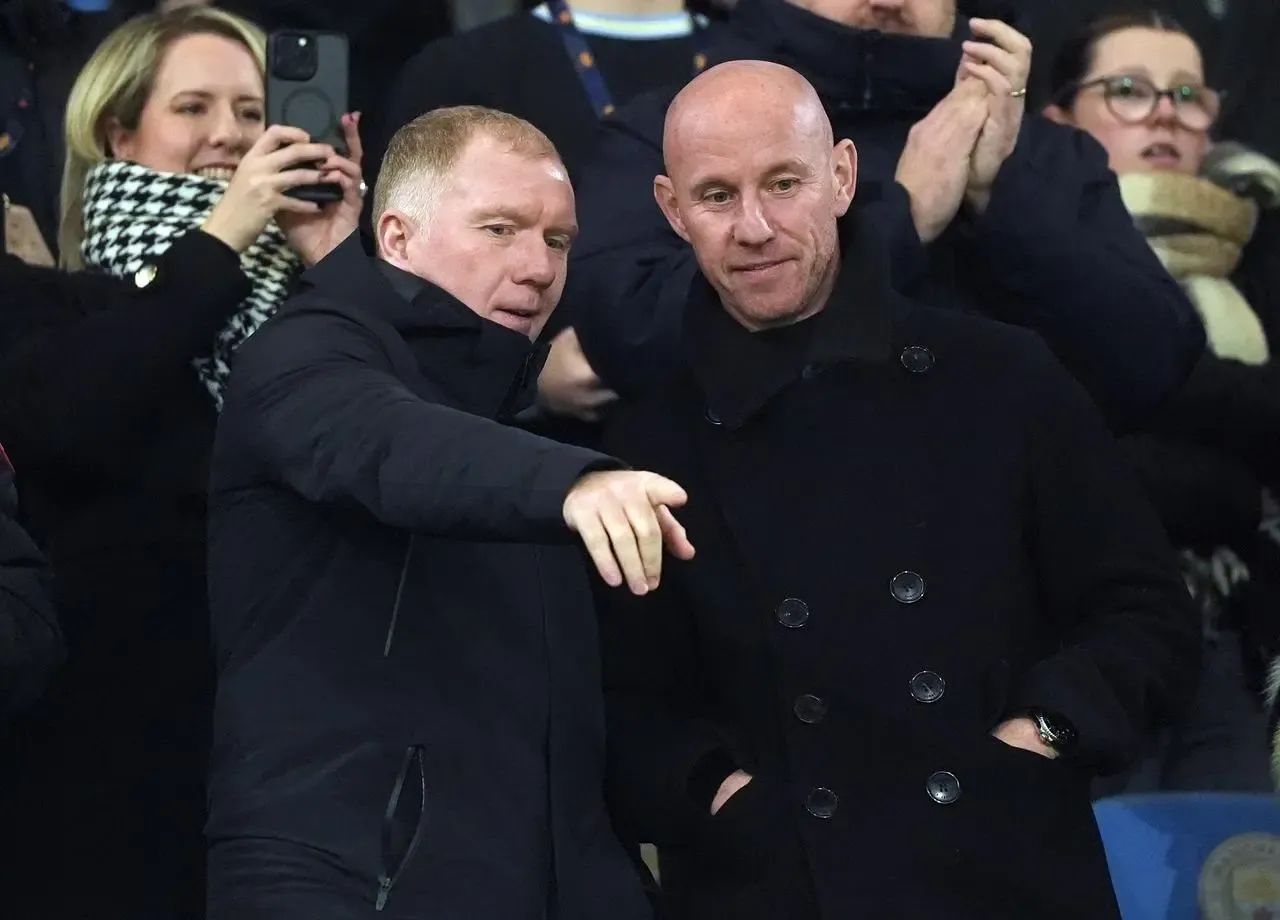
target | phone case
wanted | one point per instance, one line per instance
(307, 88)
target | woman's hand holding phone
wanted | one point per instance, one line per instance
(314, 234)
(257, 190)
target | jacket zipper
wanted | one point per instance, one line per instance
(387, 878)
(395, 608)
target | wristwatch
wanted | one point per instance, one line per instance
(1055, 730)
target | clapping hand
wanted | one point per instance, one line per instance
(1003, 66)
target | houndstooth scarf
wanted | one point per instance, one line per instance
(1199, 226)
(133, 214)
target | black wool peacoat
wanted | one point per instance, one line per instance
(911, 525)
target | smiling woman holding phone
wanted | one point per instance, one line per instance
(178, 240)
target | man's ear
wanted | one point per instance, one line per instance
(393, 232)
(1057, 113)
(844, 168)
(665, 194)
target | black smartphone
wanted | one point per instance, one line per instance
(307, 89)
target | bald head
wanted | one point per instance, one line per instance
(756, 183)
(739, 100)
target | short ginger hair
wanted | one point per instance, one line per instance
(424, 152)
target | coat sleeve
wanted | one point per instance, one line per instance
(1057, 252)
(1129, 636)
(315, 406)
(30, 639)
(94, 378)
(1228, 405)
(667, 755)
(1232, 407)
(1204, 497)
(658, 743)
(630, 274)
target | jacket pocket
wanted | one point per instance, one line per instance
(391, 866)
(395, 607)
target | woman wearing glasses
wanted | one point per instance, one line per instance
(1211, 461)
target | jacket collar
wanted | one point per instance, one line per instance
(486, 368)
(739, 371)
(859, 69)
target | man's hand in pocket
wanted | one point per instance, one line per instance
(728, 789)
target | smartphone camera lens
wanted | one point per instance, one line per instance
(293, 57)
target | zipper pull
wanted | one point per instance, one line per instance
(384, 889)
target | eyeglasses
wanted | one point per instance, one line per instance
(1134, 99)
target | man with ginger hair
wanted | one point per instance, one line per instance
(409, 718)
(929, 601)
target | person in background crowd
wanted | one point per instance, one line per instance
(1211, 457)
(467, 14)
(30, 639)
(1238, 38)
(929, 601)
(562, 66)
(43, 44)
(375, 515)
(983, 209)
(170, 188)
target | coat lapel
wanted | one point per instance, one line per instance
(766, 486)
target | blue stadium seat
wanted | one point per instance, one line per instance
(1159, 848)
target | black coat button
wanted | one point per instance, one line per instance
(821, 802)
(943, 787)
(928, 687)
(917, 359)
(810, 709)
(907, 587)
(809, 371)
(793, 613)
(711, 417)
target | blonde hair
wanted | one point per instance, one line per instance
(114, 86)
(424, 152)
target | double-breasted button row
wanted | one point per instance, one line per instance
(905, 587)
(915, 358)
(943, 787)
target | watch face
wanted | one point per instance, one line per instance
(1062, 734)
